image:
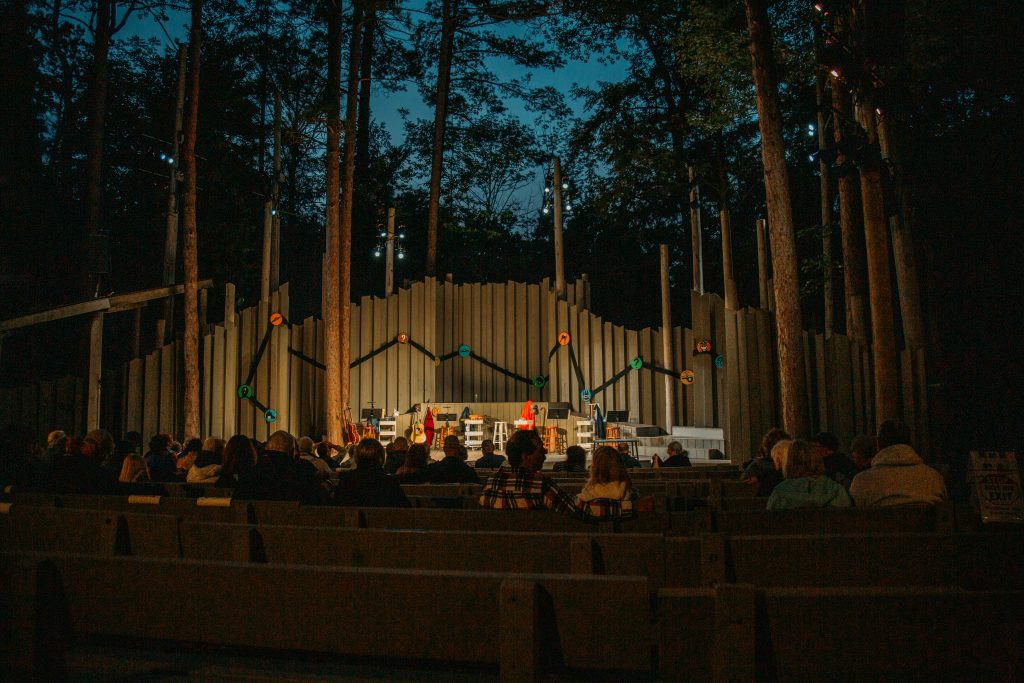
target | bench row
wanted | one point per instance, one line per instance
(525, 626)
(969, 560)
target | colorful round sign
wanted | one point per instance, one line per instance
(564, 338)
(276, 319)
(244, 391)
(719, 361)
(704, 346)
(437, 361)
(403, 338)
(636, 363)
(270, 415)
(464, 351)
(539, 381)
(586, 394)
(686, 377)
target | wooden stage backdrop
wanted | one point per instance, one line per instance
(513, 326)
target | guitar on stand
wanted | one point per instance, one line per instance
(418, 433)
(349, 430)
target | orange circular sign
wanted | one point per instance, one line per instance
(276, 319)
(403, 338)
(686, 377)
(563, 338)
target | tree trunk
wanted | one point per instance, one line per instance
(444, 67)
(852, 237)
(365, 82)
(191, 251)
(876, 241)
(725, 225)
(94, 155)
(793, 397)
(351, 111)
(171, 229)
(332, 283)
(826, 205)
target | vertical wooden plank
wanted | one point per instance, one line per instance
(78, 425)
(404, 353)
(536, 358)
(841, 390)
(654, 350)
(906, 369)
(282, 378)
(520, 321)
(321, 377)
(419, 332)
(621, 390)
(364, 342)
(484, 327)
(809, 379)
(500, 389)
(151, 395)
(134, 398)
(381, 363)
(580, 320)
(766, 368)
(95, 371)
(206, 386)
(298, 419)
(447, 322)
(718, 335)
(921, 391)
(217, 392)
(515, 390)
(822, 381)
(737, 444)
(595, 350)
(167, 382)
(231, 378)
(637, 401)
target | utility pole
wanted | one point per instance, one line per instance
(389, 255)
(275, 239)
(696, 237)
(171, 236)
(826, 205)
(556, 181)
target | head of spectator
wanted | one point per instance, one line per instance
(161, 443)
(576, 459)
(305, 445)
(175, 447)
(399, 445)
(623, 449)
(486, 447)
(193, 445)
(239, 456)
(802, 461)
(281, 442)
(779, 453)
(451, 447)
(892, 433)
(768, 441)
(135, 439)
(417, 458)
(715, 454)
(607, 466)
(525, 450)
(74, 445)
(863, 449)
(97, 445)
(54, 438)
(827, 442)
(369, 453)
(215, 447)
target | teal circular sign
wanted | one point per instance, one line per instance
(719, 361)
(244, 391)
(464, 350)
(586, 394)
(539, 381)
(636, 363)
(270, 415)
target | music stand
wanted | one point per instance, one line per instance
(371, 414)
(618, 416)
(558, 414)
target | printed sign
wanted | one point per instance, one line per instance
(997, 487)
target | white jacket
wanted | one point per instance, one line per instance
(203, 475)
(898, 476)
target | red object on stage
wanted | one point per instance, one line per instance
(428, 428)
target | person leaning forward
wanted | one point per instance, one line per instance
(519, 485)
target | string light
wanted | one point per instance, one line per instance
(811, 130)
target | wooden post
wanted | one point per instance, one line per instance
(696, 237)
(666, 340)
(275, 197)
(160, 338)
(826, 205)
(556, 181)
(202, 312)
(171, 233)
(389, 255)
(762, 264)
(136, 331)
(229, 304)
(268, 226)
(93, 380)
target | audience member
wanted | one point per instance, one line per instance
(414, 469)
(575, 460)
(838, 466)
(806, 485)
(628, 460)
(239, 458)
(863, 449)
(676, 456)
(185, 459)
(83, 472)
(762, 470)
(280, 475)
(160, 459)
(133, 467)
(307, 452)
(489, 459)
(208, 464)
(608, 493)
(396, 452)
(452, 469)
(898, 475)
(368, 485)
(519, 485)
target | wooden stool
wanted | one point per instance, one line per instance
(612, 432)
(553, 441)
(443, 433)
(500, 435)
(368, 432)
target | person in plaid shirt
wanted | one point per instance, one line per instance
(519, 485)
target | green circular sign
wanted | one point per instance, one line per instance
(586, 395)
(244, 391)
(464, 351)
(719, 361)
(539, 381)
(270, 415)
(636, 363)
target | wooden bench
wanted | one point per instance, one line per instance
(530, 621)
(834, 521)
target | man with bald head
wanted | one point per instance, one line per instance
(281, 475)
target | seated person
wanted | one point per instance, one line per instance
(898, 475)
(280, 475)
(414, 470)
(307, 452)
(188, 456)
(806, 485)
(627, 457)
(838, 466)
(489, 460)
(452, 469)
(82, 471)
(862, 450)
(575, 460)
(608, 493)
(519, 485)
(160, 458)
(368, 485)
(762, 470)
(207, 465)
(239, 457)
(396, 451)
(676, 456)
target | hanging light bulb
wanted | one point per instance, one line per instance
(811, 129)
(376, 252)
(835, 72)
(568, 207)
(547, 189)
(273, 212)
(545, 211)
(401, 254)
(565, 184)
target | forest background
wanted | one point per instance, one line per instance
(627, 94)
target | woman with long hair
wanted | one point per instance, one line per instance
(239, 458)
(609, 492)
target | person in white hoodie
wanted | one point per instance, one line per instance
(609, 492)
(898, 475)
(205, 469)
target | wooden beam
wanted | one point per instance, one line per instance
(127, 300)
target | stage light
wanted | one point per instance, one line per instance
(820, 7)
(163, 157)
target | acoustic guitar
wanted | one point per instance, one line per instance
(350, 431)
(419, 434)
